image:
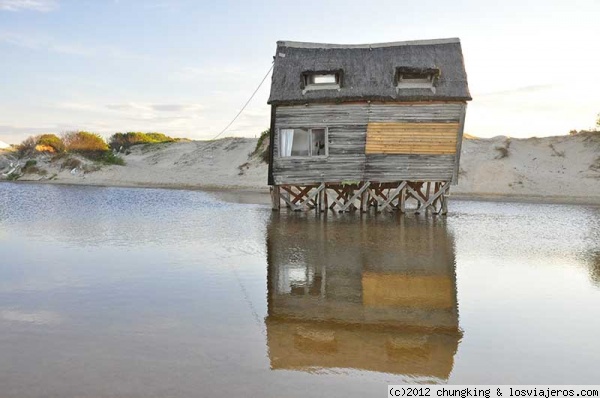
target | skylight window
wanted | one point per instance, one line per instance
(324, 80)
(416, 78)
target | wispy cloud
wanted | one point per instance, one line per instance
(133, 106)
(51, 44)
(161, 114)
(518, 90)
(211, 73)
(28, 5)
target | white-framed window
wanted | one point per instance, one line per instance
(303, 142)
(416, 78)
(327, 80)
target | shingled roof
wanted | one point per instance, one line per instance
(369, 71)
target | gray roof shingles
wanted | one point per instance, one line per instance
(368, 71)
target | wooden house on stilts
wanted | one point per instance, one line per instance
(360, 126)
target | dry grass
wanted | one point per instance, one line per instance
(503, 151)
(70, 164)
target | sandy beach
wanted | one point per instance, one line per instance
(561, 169)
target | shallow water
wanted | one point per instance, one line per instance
(147, 292)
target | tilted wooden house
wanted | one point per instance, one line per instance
(354, 126)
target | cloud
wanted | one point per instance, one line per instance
(50, 44)
(46, 43)
(519, 90)
(146, 107)
(28, 5)
(212, 73)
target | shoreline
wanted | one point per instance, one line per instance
(260, 195)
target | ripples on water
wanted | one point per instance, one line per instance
(144, 292)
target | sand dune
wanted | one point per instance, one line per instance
(563, 168)
(552, 168)
(221, 164)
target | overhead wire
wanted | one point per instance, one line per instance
(246, 104)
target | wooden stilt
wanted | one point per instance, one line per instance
(402, 201)
(275, 197)
(387, 196)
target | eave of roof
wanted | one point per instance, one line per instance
(299, 44)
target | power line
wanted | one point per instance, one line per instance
(246, 104)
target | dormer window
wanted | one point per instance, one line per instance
(408, 77)
(321, 80)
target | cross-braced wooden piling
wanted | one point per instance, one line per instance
(364, 196)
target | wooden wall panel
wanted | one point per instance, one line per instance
(411, 138)
(387, 168)
(347, 142)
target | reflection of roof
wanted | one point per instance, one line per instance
(368, 71)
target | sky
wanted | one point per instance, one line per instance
(186, 67)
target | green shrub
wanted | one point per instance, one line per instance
(110, 158)
(264, 135)
(159, 137)
(52, 141)
(262, 146)
(83, 142)
(120, 141)
(30, 167)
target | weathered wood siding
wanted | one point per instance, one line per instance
(403, 138)
(348, 159)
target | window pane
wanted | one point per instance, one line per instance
(318, 142)
(300, 144)
(286, 139)
(324, 79)
(416, 78)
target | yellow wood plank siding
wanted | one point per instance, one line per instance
(423, 291)
(412, 138)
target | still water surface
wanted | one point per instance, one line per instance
(141, 293)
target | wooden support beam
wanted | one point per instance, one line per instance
(436, 195)
(349, 202)
(416, 193)
(384, 204)
(275, 197)
(402, 202)
(384, 196)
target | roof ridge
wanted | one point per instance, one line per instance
(299, 44)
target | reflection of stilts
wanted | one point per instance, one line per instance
(389, 196)
(380, 296)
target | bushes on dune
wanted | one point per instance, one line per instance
(89, 145)
(262, 146)
(41, 143)
(27, 147)
(51, 141)
(86, 144)
(120, 141)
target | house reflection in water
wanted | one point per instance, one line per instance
(372, 294)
